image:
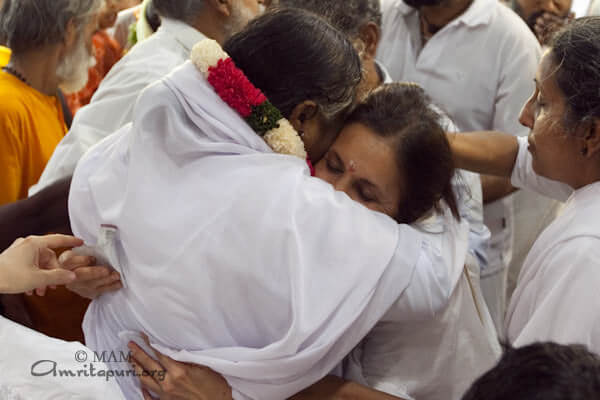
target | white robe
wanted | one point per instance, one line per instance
(35, 366)
(234, 257)
(435, 358)
(556, 296)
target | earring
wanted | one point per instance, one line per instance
(584, 151)
(301, 133)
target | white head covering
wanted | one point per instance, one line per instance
(233, 256)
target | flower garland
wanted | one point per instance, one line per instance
(234, 88)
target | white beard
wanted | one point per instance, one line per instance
(73, 72)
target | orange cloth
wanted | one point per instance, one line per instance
(107, 52)
(31, 126)
(4, 56)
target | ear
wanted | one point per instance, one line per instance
(592, 140)
(223, 7)
(70, 37)
(370, 35)
(303, 114)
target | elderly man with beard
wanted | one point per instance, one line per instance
(184, 23)
(51, 49)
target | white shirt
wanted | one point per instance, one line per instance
(479, 68)
(255, 269)
(556, 298)
(113, 103)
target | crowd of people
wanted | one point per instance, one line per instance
(304, 199)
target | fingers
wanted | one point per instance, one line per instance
(92, 282)
(56, 241)
(147, 395)
(87, 274)
(44, 278)
(144, 359)
(146, 376)
(70, 260)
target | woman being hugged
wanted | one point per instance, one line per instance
(555, 298)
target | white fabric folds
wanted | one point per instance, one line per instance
(35, 366)
(235, 257)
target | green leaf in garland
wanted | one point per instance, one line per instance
(264, 117)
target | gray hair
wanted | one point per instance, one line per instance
(30, 24)
(346, 15)
(182, 10)
(576, 53)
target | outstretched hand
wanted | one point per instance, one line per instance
(31, 263)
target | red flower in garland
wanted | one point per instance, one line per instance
(234, 88)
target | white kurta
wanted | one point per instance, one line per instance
(35, 366)
(556, 296)
(112, 104)
(435, 358)
(234, 257)
(488, 57)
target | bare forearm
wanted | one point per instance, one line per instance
(334, 388)
(491, 153)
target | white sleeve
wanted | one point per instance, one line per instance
(440, 263)
(567, 309)
(470, 206)
(524, 177)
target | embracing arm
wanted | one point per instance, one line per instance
(491, 153)
(195, 382)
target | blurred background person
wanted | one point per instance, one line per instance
(107, 52)
(544, 17)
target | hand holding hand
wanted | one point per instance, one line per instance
(31, 263)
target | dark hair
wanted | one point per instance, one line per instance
(346, 15)
(541, 371)
(292, 56)
(576, 52)
(152, 16)
(182, 10)
(30, 24)
(403, 113)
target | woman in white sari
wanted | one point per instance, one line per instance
(555, 298)
(257, 270)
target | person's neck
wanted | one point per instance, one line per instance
(373, 79)
(210, 26)
(587, 174)
(38, 67)
(442, 14)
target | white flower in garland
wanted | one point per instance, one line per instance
(237, 91)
